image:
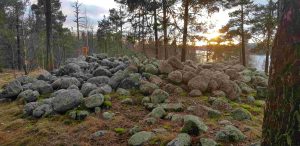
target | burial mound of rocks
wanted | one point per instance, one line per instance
(83, 85)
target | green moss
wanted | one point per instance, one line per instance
(107, 104)
(259, 103)
(44, 96)
(184, 94)
(120, 130)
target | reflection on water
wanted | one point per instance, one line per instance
(255, 60)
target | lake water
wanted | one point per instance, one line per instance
(254, 60)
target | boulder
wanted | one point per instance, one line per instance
(158, 96)
(259, 81)
(182, 139)
(131, 82)
(29, 96)
(69, 68)
(12, 90)
(116, 79)
(156, 80)
(241, 114)
(29, 107)
(175, 77)
(218, 93)
(140, 138)
(245, 88)
(94, 101)
(106, 89)
(221, 104)
(148, 88)
(150, 68)
(230, 134)
(108, 115)
(127, 101)
(101, 71)
(100, 80)
(87, 88)
(193, 125)
(65, 100)
(199, 82)
(42, 110)
(187, 76)
(165, 68)
(26, 79)
(175, 63)
(208, 142)
(231, 89)
(174, 107)
(42, 87)
(65, 83)
(79, 114)
(195, 93)
(158, 112)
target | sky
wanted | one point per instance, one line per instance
(96, 9)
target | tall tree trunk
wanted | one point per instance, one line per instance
(165, 21)
(156, 34)
(243, 54)
(269, 33)
(143, 31)
(48, 34)
(19, 55)
(281, 125)
(185, 27)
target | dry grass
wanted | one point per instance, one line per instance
(9, 75)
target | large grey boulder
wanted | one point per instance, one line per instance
(69, 68)
(175, 63)
(101, 71)
(29, 107)
(182, 139)
(230, 134)
(140, 138)
(42, 110)
(231, 89)
(94, 101)
(29, 95)
(175, 77)
(131, 82)
(116, 79)
(66, 100)
(193, 125)
(100, 80)
(87, 88)
(65, 83)
(165, 68)
(41, 86)
(158, 96)
(26, 79)
(199, 82)
(148, 88)
(12, 90)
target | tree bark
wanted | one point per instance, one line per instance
(165, 21)
(243, 55)
(48, 34)
(156, 34)
(186, 19)
(281, 125)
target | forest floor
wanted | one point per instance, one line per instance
(15, 129)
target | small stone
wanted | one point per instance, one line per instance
(128, 101)
(193, 125)
(191, 108)
(208, 142)
(135, 129)
(159, 96)
(241, 114)
(99, 134)
(221, 104)
(230, 134)
(140, 138)
(108, 115)
(182, 139)
(123, 92)
(225, 122)
(94, 101)
(158, 112)
(150, 121)
(250, 99)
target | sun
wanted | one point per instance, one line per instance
(208, 36)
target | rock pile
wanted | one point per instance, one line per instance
(82, 86)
